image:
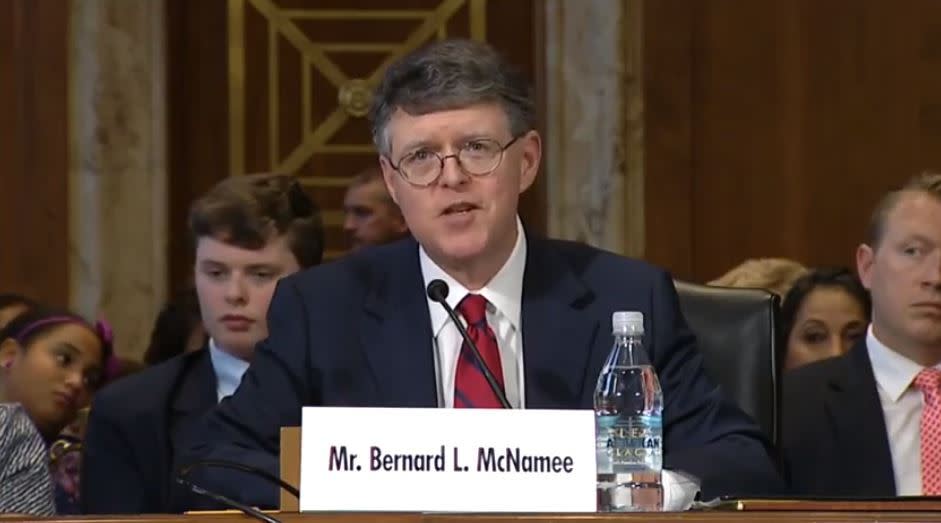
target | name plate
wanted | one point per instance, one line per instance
(447, 460)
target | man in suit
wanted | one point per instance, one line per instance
(370, 215)
(249, 232)
(868, 423)
(454, 125)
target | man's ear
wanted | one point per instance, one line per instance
(531, 148)
(865, 257)
(388, 174)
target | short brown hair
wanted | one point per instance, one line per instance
(372, 174)
(451, 74)
(246, 211)
(926, 182)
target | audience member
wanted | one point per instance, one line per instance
(51, 362)
(867, 423)
(774, 274)
(454, 126)
(178, 329)
(824, 314)
(25, 484)
(12, 305)
(249, 231)
(372, 217)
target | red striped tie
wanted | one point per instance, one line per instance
(470, 387)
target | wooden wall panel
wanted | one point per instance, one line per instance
(197, 121)
(219, 129)
(668, 173)
(34, 149)
(799, 115)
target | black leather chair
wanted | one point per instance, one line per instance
(738, 334)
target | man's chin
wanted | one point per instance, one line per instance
(463, 247)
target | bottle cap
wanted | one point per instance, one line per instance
(627, 321)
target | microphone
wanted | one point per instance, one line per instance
(184, 471)
(438, 292)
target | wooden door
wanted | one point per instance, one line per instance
(773, 127)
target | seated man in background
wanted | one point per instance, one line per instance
(868, 423)
(371, 216)
(455, 128)
(249, 231)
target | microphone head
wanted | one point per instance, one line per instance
(438, 290)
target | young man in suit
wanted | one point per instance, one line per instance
(868, 423)
(455, 129)
(249, 232)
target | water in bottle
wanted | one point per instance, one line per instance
(628, 421)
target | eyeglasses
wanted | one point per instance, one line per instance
(478, 157)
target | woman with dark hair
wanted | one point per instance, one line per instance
(51, 362)
(824, 314)
(178, 329)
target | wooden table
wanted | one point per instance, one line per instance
(888, 514)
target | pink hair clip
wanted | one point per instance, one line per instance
(103, 329)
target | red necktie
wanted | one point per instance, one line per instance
(470, 387)
(929, 381)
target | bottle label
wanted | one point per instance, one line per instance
(633, 443)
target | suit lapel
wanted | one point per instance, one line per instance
(195, 393)
(395, 332)
(555, 352)
(854, 408)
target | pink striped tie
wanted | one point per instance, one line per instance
(929, 381)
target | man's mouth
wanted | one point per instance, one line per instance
(458, 208)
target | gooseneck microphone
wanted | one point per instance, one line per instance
(438, 292)
(184, 471)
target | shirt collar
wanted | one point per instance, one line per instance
(893, 372)
(228, 369)
(504, 291)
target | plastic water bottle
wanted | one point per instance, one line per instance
(629, 423)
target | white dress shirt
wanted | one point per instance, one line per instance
(228, 369)
(902, 404)
(504, 294)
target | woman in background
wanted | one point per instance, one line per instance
(824, 314)
(178, 329)
(51, 363)
(774, 274)
(25, 484)
(12, 305)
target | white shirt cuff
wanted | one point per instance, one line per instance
(679, 490)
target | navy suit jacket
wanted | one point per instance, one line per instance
(137, 430)
(833, 428)
(357, 332)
